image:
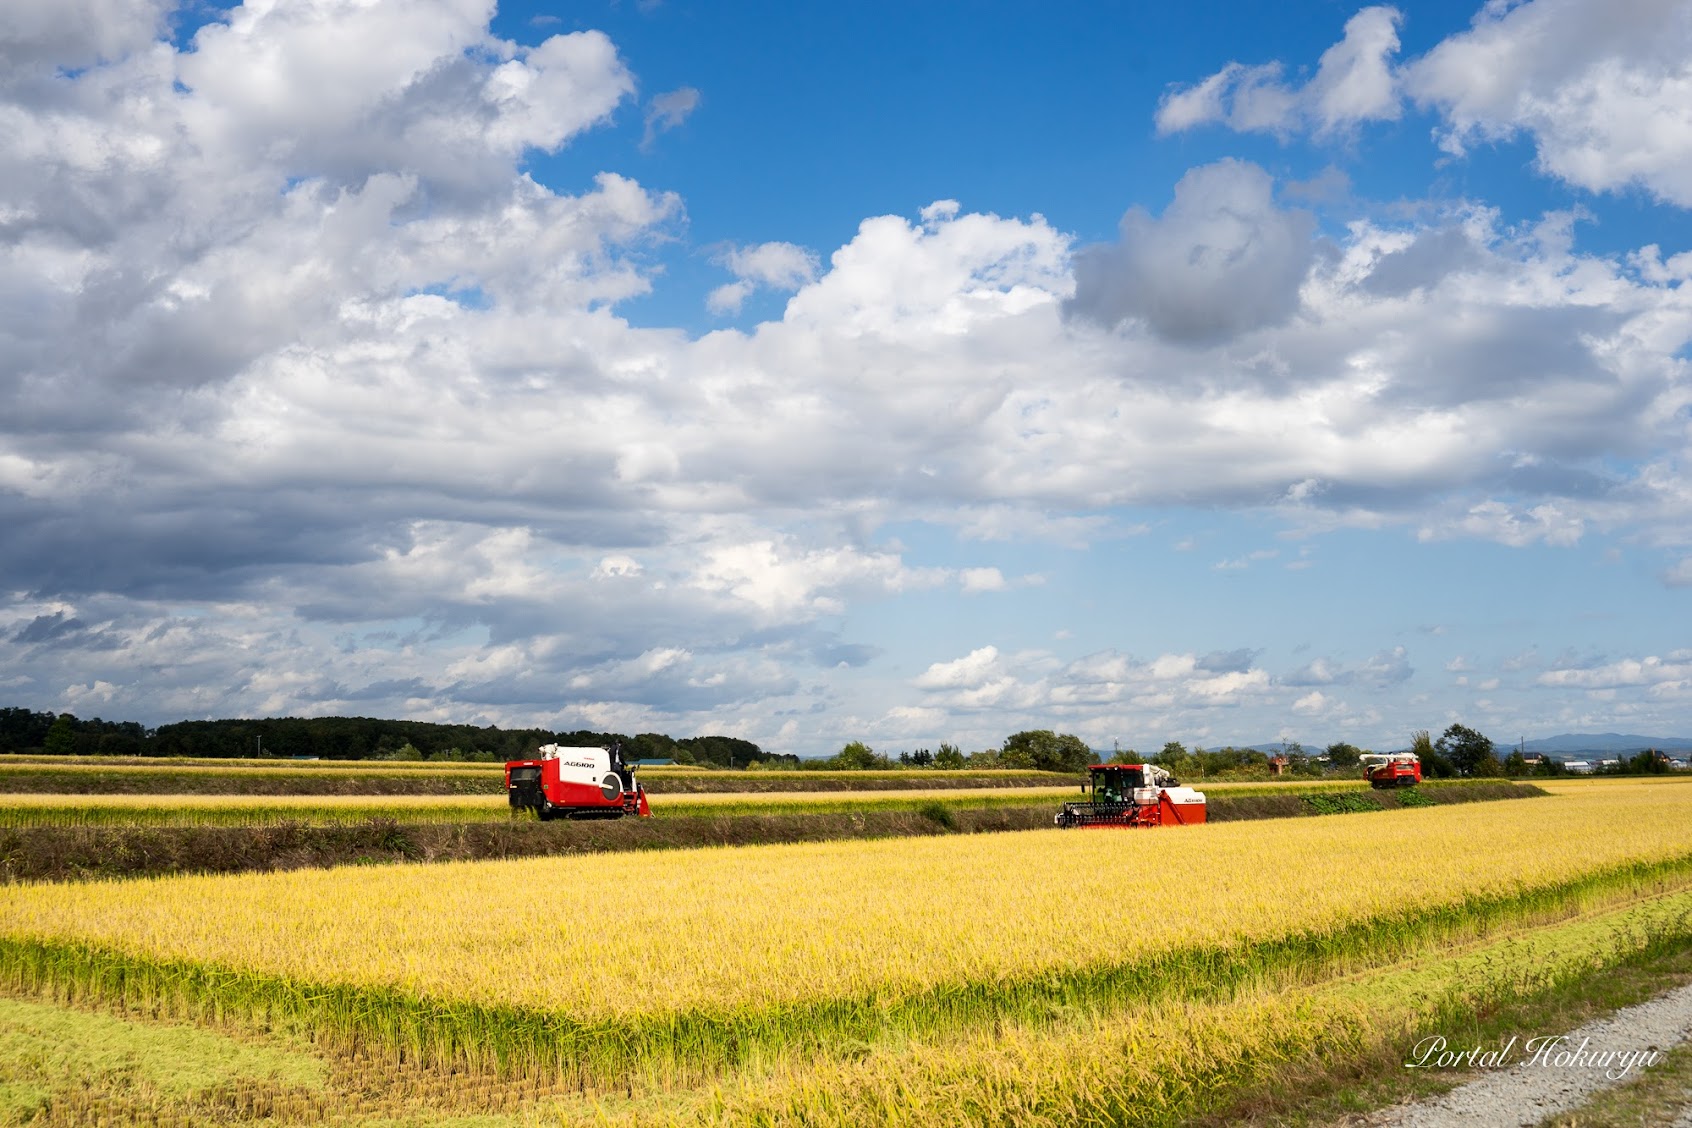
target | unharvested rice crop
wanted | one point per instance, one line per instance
(877, 919)
(241, 810)
(1156, 1064)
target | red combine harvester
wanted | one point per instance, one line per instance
(1134, 795)
(576, 783)
(1392, 769)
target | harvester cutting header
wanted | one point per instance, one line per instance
(576, 783)
(1129, 795)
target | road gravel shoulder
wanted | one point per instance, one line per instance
(1547, 1075)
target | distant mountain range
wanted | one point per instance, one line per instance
(1609, 743)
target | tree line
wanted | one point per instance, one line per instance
(345, 738)
(1458, 752)
(1035, 750)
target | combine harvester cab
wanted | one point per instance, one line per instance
(576, 783)
(1396, 769)
(1128, 795)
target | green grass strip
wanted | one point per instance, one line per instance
(249, 814)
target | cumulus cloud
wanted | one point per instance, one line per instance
(971, 670)
(1384, 669)
(1223, 259)
(36, 34)
(1668, 673)
(1498, 521)
(776, 266)
(1603, 90)
(312, 395)
(1354, 83)
(1312, 704)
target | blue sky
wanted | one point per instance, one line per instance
(1214, 372)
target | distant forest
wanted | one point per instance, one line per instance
(345, 738)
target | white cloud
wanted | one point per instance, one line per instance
(776, 266)
(1671, 671)
(617, 566)
(1312, 704)
(1603, 90)
(314, 398)
(1354, 80)
(1494, 520)
(972, 670)
(1354, 83)
(779, 578)
(976, 580)
(1384, 669)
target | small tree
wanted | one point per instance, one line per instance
(1046, 751)
(61, 738)
(1469, 752)
(1434, 763)
(949, 757)
(1175, 757)
(858, 757)
(1648, 762)
(1343, 755)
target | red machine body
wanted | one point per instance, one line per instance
(1394, 769)
(1133, 795)
(575, 783)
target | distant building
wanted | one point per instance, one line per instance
(653, 763)
(1578, 767)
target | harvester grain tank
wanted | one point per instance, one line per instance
(1392, 769)
(1131, 795)
(576, 783)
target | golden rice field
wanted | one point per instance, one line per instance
(25, 809)
(841, 919)
(1046, 977)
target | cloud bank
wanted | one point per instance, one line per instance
(314, 399)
